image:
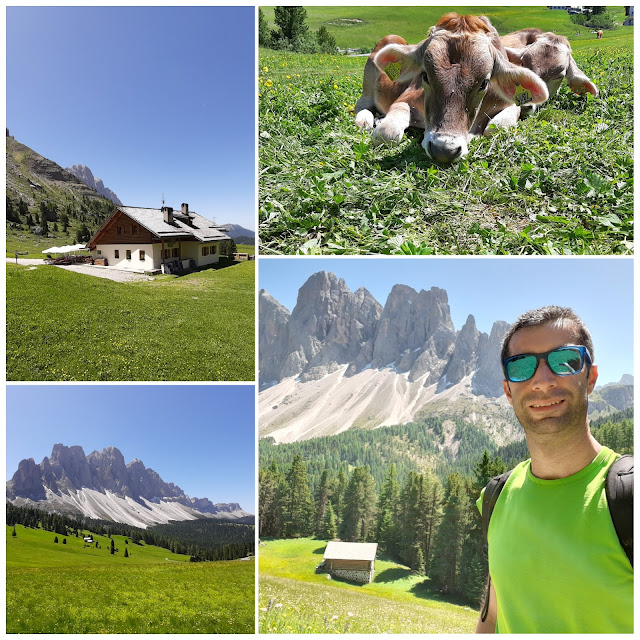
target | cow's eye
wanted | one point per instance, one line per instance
(484, 85)
(425, 77)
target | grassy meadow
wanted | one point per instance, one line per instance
(559, 183)
(294, 599)
(63, 325)
(66, 588)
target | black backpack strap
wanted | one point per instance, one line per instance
(619, 490)
(489, 499)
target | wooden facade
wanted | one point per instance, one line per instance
(121, 229)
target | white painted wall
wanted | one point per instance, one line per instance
(108, 251)
(193, 250)
(153, 254)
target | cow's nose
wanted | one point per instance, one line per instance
(444, 152)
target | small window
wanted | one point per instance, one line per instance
(141, 254)
(99, 252)
(134, 229)
(116, 253)
(119, 230)
(213, 249)
(175, 253)
(205, 251)
(128, 254)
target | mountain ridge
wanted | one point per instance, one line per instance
(102, 486)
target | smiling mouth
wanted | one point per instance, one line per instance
(544, 405)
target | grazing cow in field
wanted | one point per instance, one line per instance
(548, 56)
(599, 34)
(454, 85)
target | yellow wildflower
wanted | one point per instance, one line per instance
(268, 83)
(265, 69)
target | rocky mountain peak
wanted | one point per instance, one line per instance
(82, 172)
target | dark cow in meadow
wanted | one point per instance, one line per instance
(549, 56)
(454, 85)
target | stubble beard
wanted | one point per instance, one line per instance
(574, 416)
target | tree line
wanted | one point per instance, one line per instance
(201, 539)
(50, 216)
(292, 33)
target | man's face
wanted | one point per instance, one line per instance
(548, 403)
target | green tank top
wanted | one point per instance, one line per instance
(555, 560)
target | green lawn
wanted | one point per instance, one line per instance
(363, 26)
(294, 599)
(65, 588)
(560, 182)
(68, 326)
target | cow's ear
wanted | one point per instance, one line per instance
(507, 78)
(577, 81)
(515, 55)
(406, 58)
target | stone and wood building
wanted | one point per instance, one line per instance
(141, 239)
(350, 560)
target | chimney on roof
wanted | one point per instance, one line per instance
(167, 214)
(185, 208)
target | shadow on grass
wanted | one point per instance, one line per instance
(389, 575)
(320, 550)
(427, 591)
(223, 263)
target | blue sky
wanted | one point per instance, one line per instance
(600, 290)
(152, 99)
(200, 437)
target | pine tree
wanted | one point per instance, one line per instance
(64, 541)
(338, 496)
(321, 501)
(329, 529)
(13, 533)
(388, 510)
(298, 505)
(452, 533)
(56, 539)
(359, 512)
(270, 501)
(291, 21)
(264, 35)
(126, 553)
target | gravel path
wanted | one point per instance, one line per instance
(90, 270)
(103, 272)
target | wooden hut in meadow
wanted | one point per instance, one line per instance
(350, 560)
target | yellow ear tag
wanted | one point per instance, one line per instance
(393, 70)
(522, 96)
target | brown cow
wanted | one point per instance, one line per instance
(549, 56)
(453, 85)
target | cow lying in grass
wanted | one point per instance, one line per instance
(454, 84)
(548, 56)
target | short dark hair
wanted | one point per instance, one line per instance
(544, 315)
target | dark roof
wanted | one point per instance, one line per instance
(190, 224)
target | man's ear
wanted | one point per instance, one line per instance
(507, 391)
(593, 377)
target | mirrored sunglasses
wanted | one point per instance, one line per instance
(563, 361)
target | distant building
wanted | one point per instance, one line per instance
(139, 239)
(350, 560)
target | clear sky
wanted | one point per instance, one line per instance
(600, 290)
(152, 99)
(200, 437)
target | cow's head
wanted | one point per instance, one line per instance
(549, 57)
(461, 61)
